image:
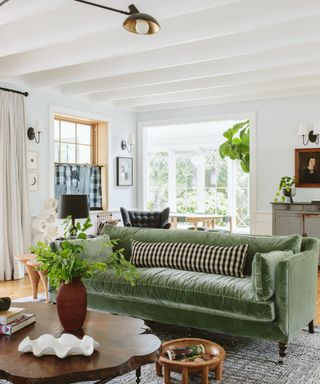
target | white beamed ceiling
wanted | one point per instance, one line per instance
(207, 52)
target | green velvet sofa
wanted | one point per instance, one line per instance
(216, 302)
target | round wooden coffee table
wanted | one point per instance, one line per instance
(187, 368)
(124, 346)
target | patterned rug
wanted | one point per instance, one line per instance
(248, 360)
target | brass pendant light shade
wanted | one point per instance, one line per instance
(140, 23)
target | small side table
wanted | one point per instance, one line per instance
(188, 368)
(31, 264)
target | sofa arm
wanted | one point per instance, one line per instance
(166, 225)
(296, 292)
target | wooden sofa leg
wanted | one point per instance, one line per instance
(282, 352)
(311, 326)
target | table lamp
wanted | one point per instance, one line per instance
(75, 206)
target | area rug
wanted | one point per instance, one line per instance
(41, 297)
(248, 360)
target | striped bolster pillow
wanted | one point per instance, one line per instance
(191, 257)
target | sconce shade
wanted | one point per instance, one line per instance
(131, 140)
(303, 130)
(73, 205)
(140, 23)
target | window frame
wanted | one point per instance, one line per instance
(93, 138)
(200, 170)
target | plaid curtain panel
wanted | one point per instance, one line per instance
(95, 195)
(79, 179)
(228, 261)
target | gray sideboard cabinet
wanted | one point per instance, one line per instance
(296, 218)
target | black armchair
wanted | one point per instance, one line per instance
(146, 219)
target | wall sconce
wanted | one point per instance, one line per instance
(128, 145)
(34, 133)
(309, 136)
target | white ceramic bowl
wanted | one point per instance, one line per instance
(65, 345)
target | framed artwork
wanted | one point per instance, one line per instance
(307, 167)
(124, 171)
(33, 181)
(32, 160)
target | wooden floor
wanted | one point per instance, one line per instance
(22, 288)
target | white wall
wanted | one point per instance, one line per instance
(121, 123)
(276, 138)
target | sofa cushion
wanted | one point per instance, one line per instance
(256, 244)
(94, 249)
(264, 272)
(216, 294)
(191, 257)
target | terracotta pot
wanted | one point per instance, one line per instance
(72, 305)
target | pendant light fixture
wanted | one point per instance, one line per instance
(136, 22)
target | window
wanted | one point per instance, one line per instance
(185, 171)
(74, 141)
(81, 159)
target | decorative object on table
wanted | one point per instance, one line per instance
(17, 324)
(72, 207)
(185, 352)
(67, 266)
(10, 315)
(312, 135)
(105, 217)
(33, 178)
(237, 146)
(147, 219)
(307, 167)
(32, 160)
(13, 319)
(5, 303)
(124, 171)
(44, 227)
(286, 189)
(211, 360)
(65, 345)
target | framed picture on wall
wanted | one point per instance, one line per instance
(124, 171)
(307, 167)
(32, 159)
(33, 181)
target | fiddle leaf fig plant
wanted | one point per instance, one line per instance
(237, 146)
(66, 262)
(287, 183)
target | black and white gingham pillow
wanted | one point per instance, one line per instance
(191, 257)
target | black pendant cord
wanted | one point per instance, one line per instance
(3, 2)
(26, 94)
(102, 6)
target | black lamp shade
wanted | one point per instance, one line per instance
(73, 205)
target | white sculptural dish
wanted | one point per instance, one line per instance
(65, 345)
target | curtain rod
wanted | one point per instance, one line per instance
(26, 94)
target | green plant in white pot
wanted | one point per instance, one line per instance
(66, 266)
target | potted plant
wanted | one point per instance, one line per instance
(66, 267)
(286, 189)
(237, 146)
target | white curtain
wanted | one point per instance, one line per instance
(14, 213)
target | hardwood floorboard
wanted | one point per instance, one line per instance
(16, 289)
(22, 288)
